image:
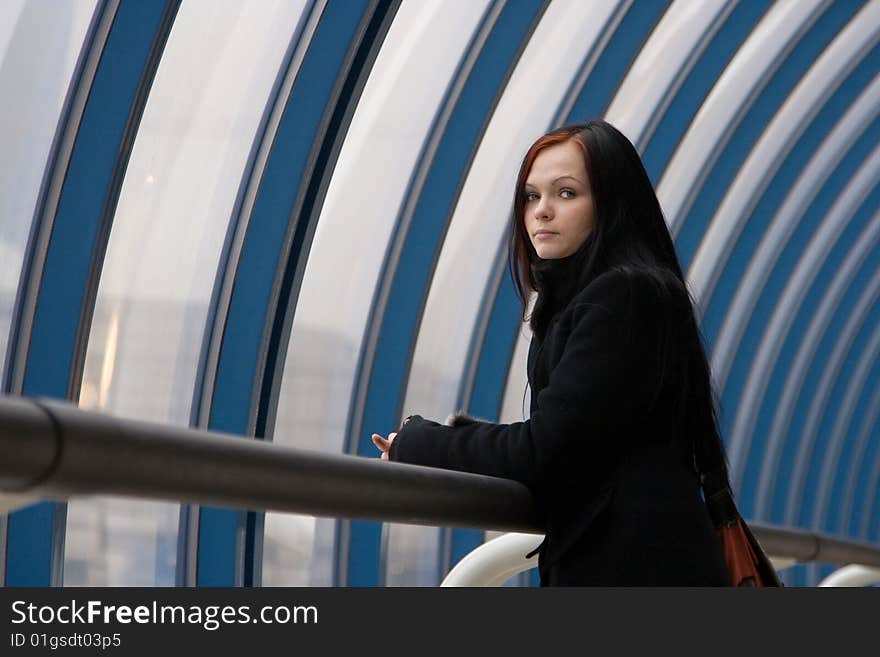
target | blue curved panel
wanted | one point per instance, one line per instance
(868, 520)
(35, 535)
(847, 467)
(857, 353)
(698, 83)
(611, 67)
(763, 213)
(495, 353)
(841, 508)
(410, 281)
(488, 390)
(832, 521)
(806, 500)
(737, 149)
(787, 261)
(274, 236)
(793, 445)
(861, 485)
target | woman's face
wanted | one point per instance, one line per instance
(559, 209)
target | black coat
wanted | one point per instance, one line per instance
(609, 465)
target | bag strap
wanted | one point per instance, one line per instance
(722, 508)
(719, 501)
(711, 470)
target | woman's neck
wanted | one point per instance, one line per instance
(562, 277)
(559, 280)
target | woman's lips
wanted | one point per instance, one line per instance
(544, 234)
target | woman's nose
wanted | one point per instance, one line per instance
(543, 210)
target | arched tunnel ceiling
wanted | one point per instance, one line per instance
(339, 214)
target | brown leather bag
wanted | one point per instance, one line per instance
(746, 561)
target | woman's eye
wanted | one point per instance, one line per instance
(567, 193)
(531, 196)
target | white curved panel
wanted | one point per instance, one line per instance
(804, 357)
(746, 74)
(516, 400)
(187, 162)
(785, 222)
(389, 129)
(817, 85)
(663, 63)
(786, 308)
(34, 81)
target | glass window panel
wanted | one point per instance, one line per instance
(215, 78)
(399, 102)
(34, 81)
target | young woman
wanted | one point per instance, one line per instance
(622, 415)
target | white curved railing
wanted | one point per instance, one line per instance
(852, 575)
(495, 561)
(499, 559)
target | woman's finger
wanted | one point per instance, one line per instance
(380, 442)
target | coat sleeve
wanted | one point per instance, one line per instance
(597, 386)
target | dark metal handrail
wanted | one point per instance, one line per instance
(52, 450)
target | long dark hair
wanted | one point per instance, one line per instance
(631, 236)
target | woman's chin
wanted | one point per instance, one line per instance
(551, 254)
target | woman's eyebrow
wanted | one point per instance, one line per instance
(555, 180)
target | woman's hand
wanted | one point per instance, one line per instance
(382, 444)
